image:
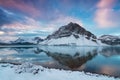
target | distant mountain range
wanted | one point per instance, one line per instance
(70, 34)
(23, 41)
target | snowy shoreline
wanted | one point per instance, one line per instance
(35, 72)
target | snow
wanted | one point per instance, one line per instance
(23, 40)
(82, 41)
(109, 37)
(102, 44)
(29, 71)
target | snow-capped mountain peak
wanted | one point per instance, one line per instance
(71, 29)
(70, 34)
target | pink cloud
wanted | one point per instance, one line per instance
(20, 5)
(105, 3)
(31, 25)
(105, 15)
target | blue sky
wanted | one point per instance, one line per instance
(30, 18)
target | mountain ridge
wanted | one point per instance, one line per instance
(71, 34)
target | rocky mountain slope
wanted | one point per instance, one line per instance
(71, 34)
(110, 39)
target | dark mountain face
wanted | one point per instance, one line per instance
(71, 29)
(72, 61)
(38, 39)
(110, 39)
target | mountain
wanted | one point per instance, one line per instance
(110, 51)
(23, 41)
(2, 42)
(35, 40)
(71, 34)
(110, 39)
(38, 40)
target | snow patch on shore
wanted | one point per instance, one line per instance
(29, 71)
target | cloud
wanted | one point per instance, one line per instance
(32, 27)
(63, 20)
(105, 4)
(2, 32)
(21, 5)
(29, 28)
(46, 9)
(67, 19)
(4, 17)
(17, 27)
(8, 38)
(105, 15)
(8, 17)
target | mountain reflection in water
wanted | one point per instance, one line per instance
(103, 60)
(74, 61)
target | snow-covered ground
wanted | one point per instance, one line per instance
(29, 71)
(82, 41)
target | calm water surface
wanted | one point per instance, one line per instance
(102, 60)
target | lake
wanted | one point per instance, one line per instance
(101, 60)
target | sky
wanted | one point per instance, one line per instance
(31, 18)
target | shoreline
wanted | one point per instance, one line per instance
(33, 72)
(18, 64)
